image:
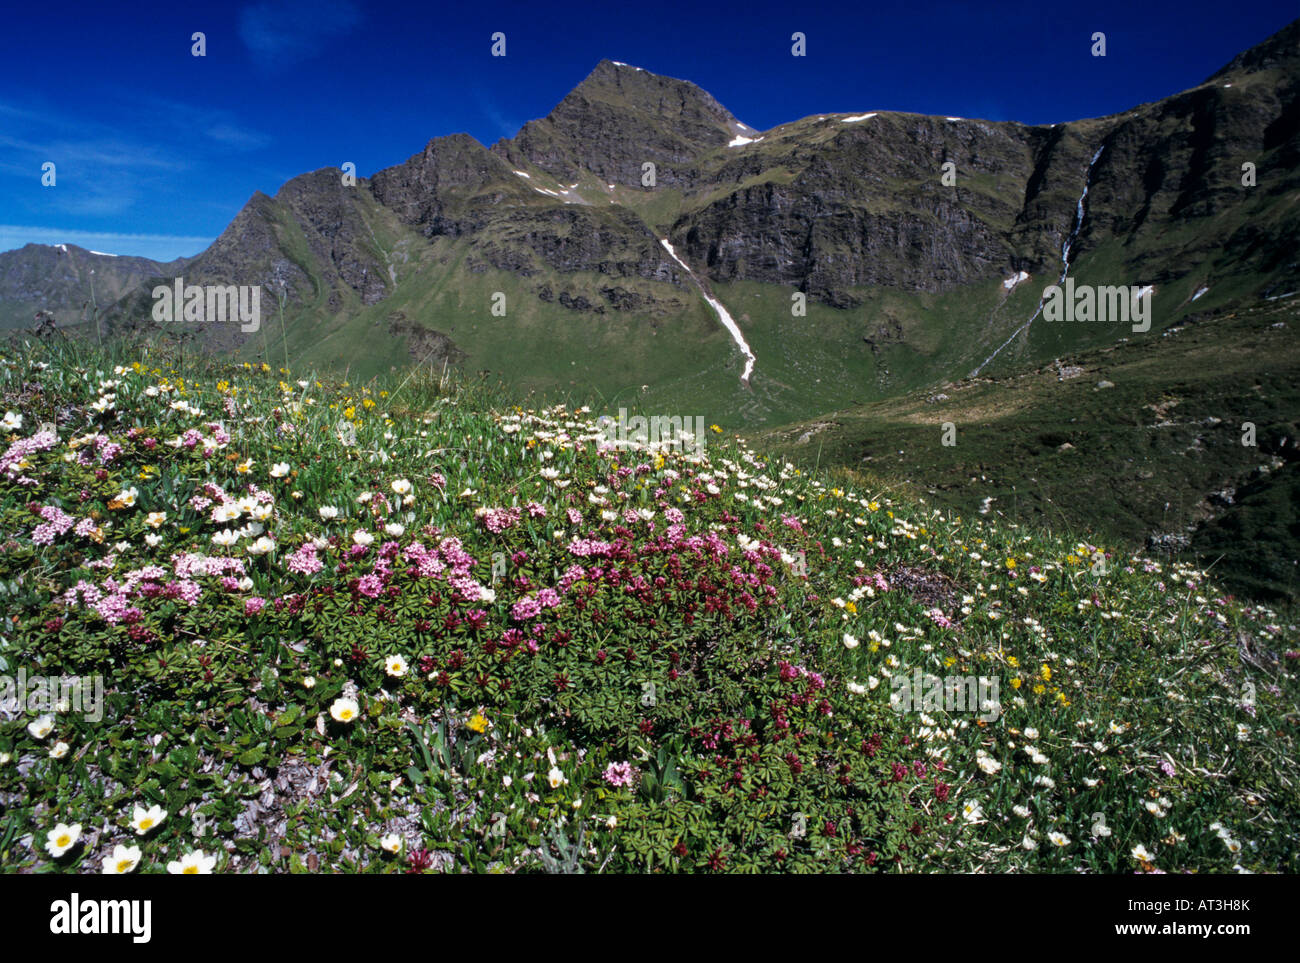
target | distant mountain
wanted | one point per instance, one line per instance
(68, 281)
(908, 280)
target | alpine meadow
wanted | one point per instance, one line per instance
(634, 490)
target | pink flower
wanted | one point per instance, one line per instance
(619, 774)
(525, 609)
(254, 606)
(304, 561)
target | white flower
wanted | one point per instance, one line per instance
(344, 710)
(486, 594)
(1021, 811)
(123, 860)
(62, 838)
(145, 820)
(392, 843)
(309, 682)
(1058, 839)
(402, 486)
(327, 512)
(193, 864)
(972, 812)
(986, 762)
(395, 666)
(42, 727)
(363, 538)
(261, 546)
(1140, 852)
(225, 537)
(556, 778)
(226, 512)
(279, 469)
(13, 421)
(1029, 843)
(1035, 756)
(59, 750)
(152, 540)
(1031, 733)
(394, 529)
(850, 642)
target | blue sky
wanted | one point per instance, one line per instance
(157, 150)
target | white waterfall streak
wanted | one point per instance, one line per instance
(1065, 261)
(723, 316)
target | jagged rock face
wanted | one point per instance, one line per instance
(336, 233)
(451, 187)
(844, 221)
(573, 238)
(1177, 166)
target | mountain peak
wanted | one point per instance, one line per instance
(637, 88)
(1282, 50)
(619, 118)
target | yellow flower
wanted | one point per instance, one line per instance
(715, 429)
(1011, 563)
(1015, 683)
(852, 609)
(1046, 672)
(479, 722)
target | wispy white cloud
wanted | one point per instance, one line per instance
(241, 138)
(280, 33)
